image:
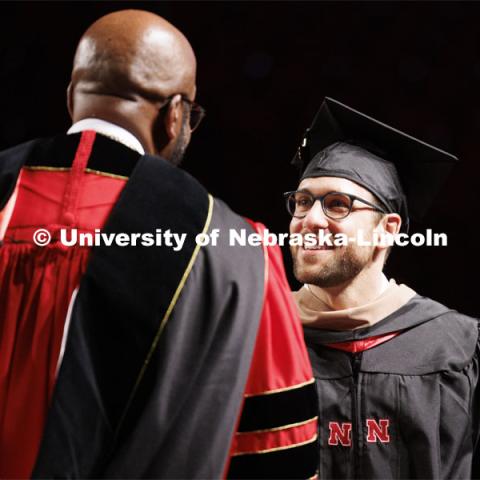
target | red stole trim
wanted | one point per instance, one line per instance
(357, 346)
(76, 175)
(280, 359)
(37, 284)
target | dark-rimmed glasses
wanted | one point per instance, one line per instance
(335, 205)
(197, 112)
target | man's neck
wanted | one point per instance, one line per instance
(109, 129)
(368, 285)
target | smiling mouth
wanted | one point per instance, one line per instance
(317, 241)
(317, 247)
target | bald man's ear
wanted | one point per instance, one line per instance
(70, 100)
(172, 119)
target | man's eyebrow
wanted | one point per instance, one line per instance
(307, 190)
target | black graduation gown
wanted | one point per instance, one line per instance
(407, 408)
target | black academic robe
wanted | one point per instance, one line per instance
(160, 342)
(406, 408)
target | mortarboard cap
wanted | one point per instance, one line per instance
(397, 168)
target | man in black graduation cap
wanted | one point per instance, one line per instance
(396, 373)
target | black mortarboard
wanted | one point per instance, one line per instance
(395, 167)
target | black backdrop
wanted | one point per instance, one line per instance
(263, 68)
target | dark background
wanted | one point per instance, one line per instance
(263, 69)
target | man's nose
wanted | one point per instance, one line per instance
(315, 218)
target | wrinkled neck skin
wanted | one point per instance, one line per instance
(368, 285)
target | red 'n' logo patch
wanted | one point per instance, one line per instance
(340, 433)
(378, 431)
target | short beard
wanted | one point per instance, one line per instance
(181, 144)
(336, 271)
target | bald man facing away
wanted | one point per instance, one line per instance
(131, 360)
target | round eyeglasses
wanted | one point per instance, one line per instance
(196, 111)
(335, 205)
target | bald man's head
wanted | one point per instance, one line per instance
(126, 64)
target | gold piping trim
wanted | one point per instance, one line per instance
(276, 429)
(276, 449)
(87, 170)
(279, 390)
(48, 169)
(106, 174)
(165, 318)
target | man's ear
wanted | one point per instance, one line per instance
(70, 100)
(389, 224)
(172, 119)
(392, 223)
